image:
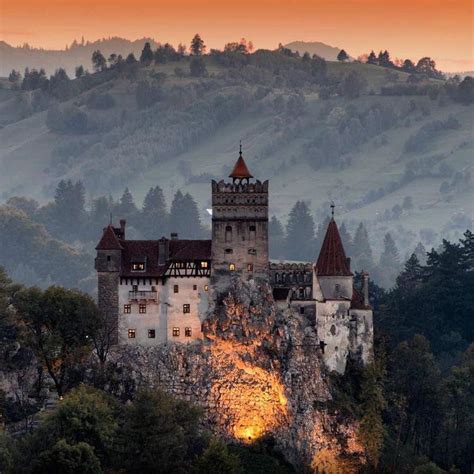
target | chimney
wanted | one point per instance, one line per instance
(163, 250)
(123, 223)
(365, 287)
(174, 236)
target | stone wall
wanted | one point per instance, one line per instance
(257, 373)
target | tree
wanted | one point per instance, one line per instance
(371, 430)
(79, 72)
(362, 250)
(427, 66)
(372, 59)
(126, 207)
(353, 85)
(197, 48)
(184, 216)
(384, 59)
(147, 54)
(408, 66)
(276, 237)
(67, 459)
(69, 208)
(465, 91)
(217, 459)
(14, 77)
(58, 325)
(154, 216)
(300, 233)
(389, 265)
(197, 67)
(158, 430)
(99, 62)
(130, 59)
(342, 56)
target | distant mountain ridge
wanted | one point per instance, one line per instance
(19, 57)
(326, 51)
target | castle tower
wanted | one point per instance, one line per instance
(108, 265)
(240, 223)
(332, 268)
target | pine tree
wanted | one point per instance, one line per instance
(420, 253)
(300, 233)
(372, 59)
(389, 264)
(184, 217)
(412, 275)
(154, 216)
(362, 250)
(98, 61)
(342, 56)
(126, 207)
(197, 47)
(147, 54)
(276, 236)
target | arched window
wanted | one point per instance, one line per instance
(333, 330)
(228, 233)
(252, 232)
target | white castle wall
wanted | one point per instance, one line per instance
(165, 313)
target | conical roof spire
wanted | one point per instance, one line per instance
(332, 259)
(109, 240)
(240, 170)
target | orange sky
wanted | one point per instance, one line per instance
(407, 28)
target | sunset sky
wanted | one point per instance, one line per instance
(407, 28)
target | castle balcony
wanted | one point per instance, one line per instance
(142, 295)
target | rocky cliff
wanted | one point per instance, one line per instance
(257, 373)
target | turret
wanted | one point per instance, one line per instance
(108, 265)
(240, 223)
(332, 269)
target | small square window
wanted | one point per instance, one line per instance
(175, 332)
(131, 333)
(206, 287)
(151, 333)
(187, 332)
(195, 287)
(301, 309)
(138, 266)
(176, 288)
(142, 308)
(180, 265)
(229, 251)
(186, 308)
(134, 288)
(109, 258)
(232, 267)
(250, 267)
(252, 252)
(127, 308)
(252, 228)
(204, 264)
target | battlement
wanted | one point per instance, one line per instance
(245, 188)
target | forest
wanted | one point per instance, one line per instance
(414, 402)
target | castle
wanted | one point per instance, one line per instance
(158, 291)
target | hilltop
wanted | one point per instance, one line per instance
(394, 154)
(78, 53)
(323, 50)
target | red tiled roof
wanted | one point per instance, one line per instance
(109, 240)
(332, 259)
(240, 169)
(357, 301)
(148, 251)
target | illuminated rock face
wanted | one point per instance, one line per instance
(257, 373)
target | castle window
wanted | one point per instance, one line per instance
(301, 309)
(131, 333)
(252, 230)
(134, 288)
(127, 308)
(228, 233)
(252, 252)
(109, 258)
(206, 287)
(204, 264)
(187, 332)
(180, 265)
(195, 287)
(138, 266)
(176, 288)
(186, 308)
(175, 332)
(277, 278)
(333, 330)
(250, 267)
(232, 267)
(151, 334)
(229, 251)
(142, 308)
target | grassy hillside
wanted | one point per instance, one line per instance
(366, 153)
